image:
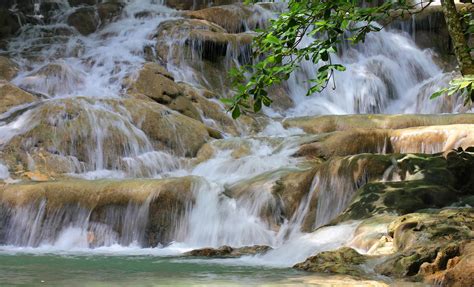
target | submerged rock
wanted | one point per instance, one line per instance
(227, 251)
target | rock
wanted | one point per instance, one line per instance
(431, 139)
(371, 235)
(325, 124)
(85, 20)
(67, 128)
(426, 241)
(213, 113)
(168, 201)
(204, 47)
(9, 24)
(11, 96)
(53, 79)
(8, 69)
(235, 18)
(196, 4)
(108, 11)
(423, 182)
(459, 270)
(75, 3)
(157, 84)
(342, 261)
(346, 143)
(227, 251)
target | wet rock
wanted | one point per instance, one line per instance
(53, 79)
(8, 69)
(342, 261)
(431, 139)
(157, 84)
(11, 96)
(227, 251)
(418, 182)
(234, 18)
(331, 123)
(9, 24)
(213, 112)
(165, 201)
(75, 3)
(68, 128)
(459, 270)
(202, 47)
(196, 4)
(85, 20)
(426, 241)
(346, 143)
(109, 11)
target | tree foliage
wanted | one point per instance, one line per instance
(280, 50)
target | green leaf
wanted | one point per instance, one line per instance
(236, 112)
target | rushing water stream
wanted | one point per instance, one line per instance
(389, 74)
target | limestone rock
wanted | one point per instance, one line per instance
(235, 18)
(196, 4)
(342, 261)
(108, 11)
(227, 251)
(168, 200)
(67, 128)
(157, 84)
(331, 123)
(75, 3)
(85, 20)
(11, 96)
(8, 69)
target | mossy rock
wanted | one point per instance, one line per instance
(345, 261)
(424, 181)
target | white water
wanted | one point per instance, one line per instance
(96, 66)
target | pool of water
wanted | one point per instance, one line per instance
(25, 269)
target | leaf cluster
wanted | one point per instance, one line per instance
(309, 30)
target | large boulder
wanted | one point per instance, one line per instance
(414, 182)
(426, 241)
(234, 18)
(157, 206)
(227, 251)
(85, 20)
(89, 134)
(424, 139)
(196, 4)
(157, 84)
(204, 48)
(345, 261)
(331, 123)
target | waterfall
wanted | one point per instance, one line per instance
(86, 123)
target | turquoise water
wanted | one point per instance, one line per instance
(99, 270)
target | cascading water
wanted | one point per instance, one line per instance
(82, 83)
